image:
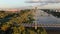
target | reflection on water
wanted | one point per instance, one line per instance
(52, 12)
(48, 17)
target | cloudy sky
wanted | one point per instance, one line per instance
(17, 3)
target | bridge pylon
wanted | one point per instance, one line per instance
(35, 10)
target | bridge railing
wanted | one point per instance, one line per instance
(40, 25)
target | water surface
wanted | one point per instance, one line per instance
(43, 17)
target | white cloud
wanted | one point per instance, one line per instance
(51, 6)
(42, 0)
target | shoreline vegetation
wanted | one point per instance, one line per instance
(10, 23)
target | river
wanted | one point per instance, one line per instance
(45, 18)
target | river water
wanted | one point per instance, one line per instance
(45, 18)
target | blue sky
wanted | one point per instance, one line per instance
(13, 3)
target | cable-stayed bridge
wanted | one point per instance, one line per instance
(41, 25)
(43, 12)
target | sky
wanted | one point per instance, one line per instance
(12, 3)
(15, 3)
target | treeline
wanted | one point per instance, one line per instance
(11, 23)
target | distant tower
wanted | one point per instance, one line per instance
(35, 10)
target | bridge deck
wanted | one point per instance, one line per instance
(41, 25)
